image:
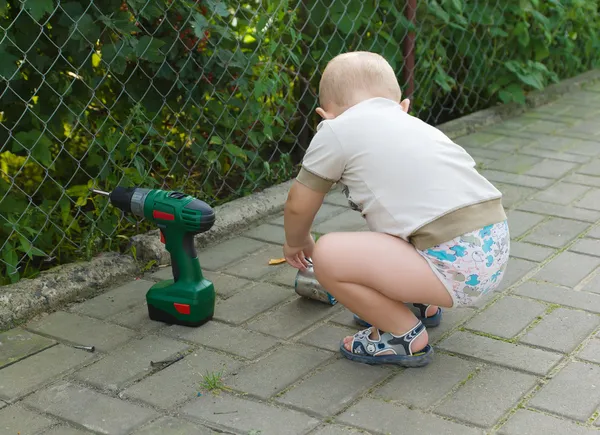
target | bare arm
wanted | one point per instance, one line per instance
(301, 207)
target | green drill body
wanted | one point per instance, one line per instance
(189, 298)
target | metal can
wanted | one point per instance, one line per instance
(307, 286)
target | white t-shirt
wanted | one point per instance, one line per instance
(400, 172)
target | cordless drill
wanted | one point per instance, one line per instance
(189, 298)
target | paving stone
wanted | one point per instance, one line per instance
(246, 416)
(327, 336)
(227, 285)
(573, 392)
(65, 430)
(349, 220)
(17, 344)
(478, 139)
(328, 391)
(430, 383)
(82, 330)
(256, 265)
(562, 330)
(137, 319)
(385, 418)
(519, 222)
(2, 404)
(292, 318)
(592, 168)
(227, 252)
(126, 365)
(587, 246)
(555, 155)
(336, 197)
(272, 374)
(556, 232)
(510, 355)
(594, 233)
(326, 211)
(593, 286)
(181, 381)
(23, 377)
(512, 195)
(486, 153)
(507, 317)
(591, 351)
(238, 341)
(18, 420)
(583, 147)
(174, 426)
(115, 301)
(450, 319)
(248, 303)
(526, 422)
(568, 269)
(345, 318)
(562, 193)
(515, 164)
(557, 295)
(551, 169)
(338, 430)
(89, 409)
(487, 397)
(529, 251)
(585, 180)
(518, 179)
(567, 212)
(547, 126)
(591, 200)
(283, 274)
(515, 270)
(267, 233)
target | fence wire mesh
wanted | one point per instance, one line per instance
(212, 97)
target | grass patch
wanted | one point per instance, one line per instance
(213, 381)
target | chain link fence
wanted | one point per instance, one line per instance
(217, 97)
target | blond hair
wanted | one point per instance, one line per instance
(352, 77)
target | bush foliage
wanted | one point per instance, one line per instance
(216, 97)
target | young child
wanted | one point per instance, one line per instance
(439, 235)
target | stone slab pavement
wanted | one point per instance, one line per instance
(525, 361)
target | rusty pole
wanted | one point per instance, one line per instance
(408, 49)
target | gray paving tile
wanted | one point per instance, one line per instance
(562, 193)
(89, 409)
(432, 382)
(562, 211)
(487, 397)
(507, 317)
(267, 233)
(82, 330)
(518, 179)
(181, 381)
(65, 430)
(255, 265)
(137, 319)
(516, 164)
(527, 422)
(509, 355)
(277, 371)
(587, 246)
(512, 195)
(174, 426)
(562, 330)
(327, 336)
(328, 391)
(385, 418)
(338, 430)
(246, 416)
(551, 169)
(558, 295)
(591, 351)
(284, 275)
(234, 340)
(250, 302)
(519, 222)
(593, 286)
(17, 344)
(349, 220)
(124, 366)
(292, 318)
(120, 299)
(568, 269)
(529, 251)
(229, 251)
(25, 376)
(16, 419)
(591, 200)
(556, 232)
(573, 392)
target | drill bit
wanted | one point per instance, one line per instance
(100, 192)
(90, 349)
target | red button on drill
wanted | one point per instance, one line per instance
(182, 308)
(162, 237)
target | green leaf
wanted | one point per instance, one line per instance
(139, 165)
(235, 151)
(36, 143)
(29, 249)
(79, 190)
(540, 50)
(522, 34)
(496, 31)
(9, 255)
(458, 5)
(38, 8)
(8, 66)
(512, 93)
(439, 12)
(3, 6)
(199, 25)
(215, 140)
(217, 7)
(148, 48)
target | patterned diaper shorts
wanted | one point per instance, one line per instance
(473, 264)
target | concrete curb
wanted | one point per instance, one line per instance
(67, 283)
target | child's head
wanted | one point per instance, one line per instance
(353, 77)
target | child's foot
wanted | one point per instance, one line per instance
(370, 346)
(430, 315)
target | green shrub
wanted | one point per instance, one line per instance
(216, 97)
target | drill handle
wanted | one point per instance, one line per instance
(184, 257)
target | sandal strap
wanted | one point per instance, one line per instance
(422, 308)
(398, 344)
(404, 342)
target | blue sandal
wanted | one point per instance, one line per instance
(365, 350)
(429, 322)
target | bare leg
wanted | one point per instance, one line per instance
(373, 274)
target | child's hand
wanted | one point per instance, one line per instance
(296, 255)
(405, 104)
